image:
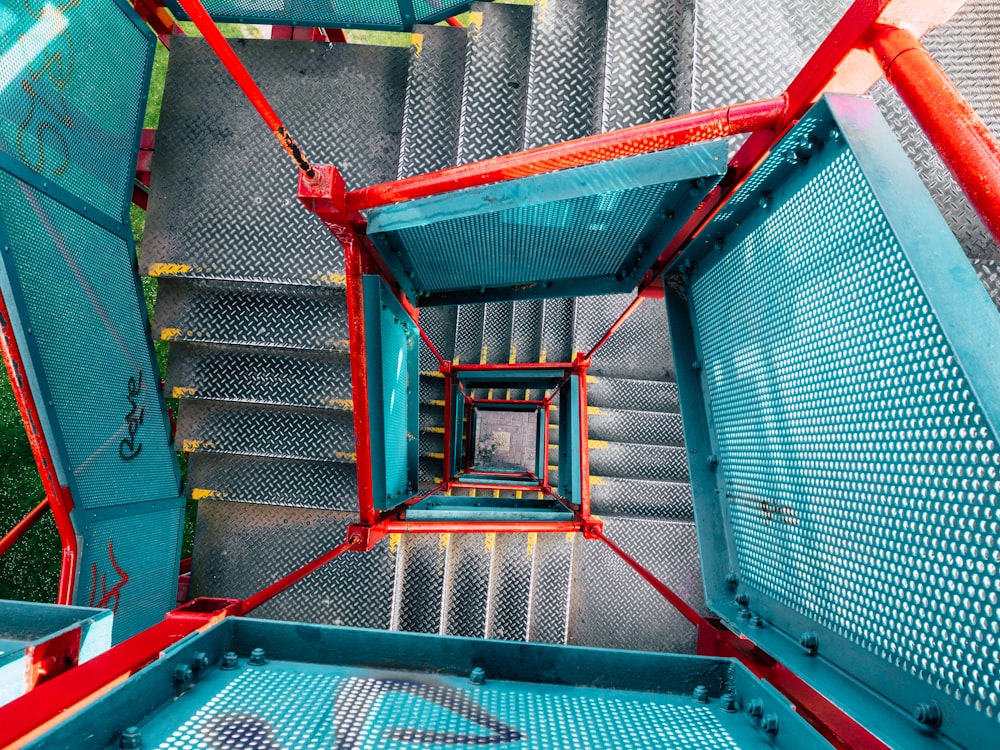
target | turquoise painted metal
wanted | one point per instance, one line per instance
(570, 470)
(393, 374)
(590, 230)
(312, 686)
(837, 366)
(68, 277)
(389, 15)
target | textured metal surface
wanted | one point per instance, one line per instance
(989, 273)
(73, 288)
(628, 393)
(637, 460)
(626, 425)
(419, 584)
(640, 348)
(241, 548)
(264, 315)
(223, 194)
(329, 485)
(614, 608)
(232, 373)
(433, 108)
(646, 70)
(565, 71)
(129, 562)
(510, 594)
(469, 334)
(557, 330)
(525, 337)
(854, 432)
(591, 229)
(594, 315)
(376, 14)
(439, 325)
(551, 580)
(251, 429)
(56, 58)
(467, 573)
(348, 709)
(734, 62)
(498, 320)
(620, 496)
(496, 81)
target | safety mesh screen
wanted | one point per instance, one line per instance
(370, 13)
(84, 314)
(860, 474)
(72, 95)
(129, 564)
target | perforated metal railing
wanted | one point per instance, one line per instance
(396, 15)
(851, 461)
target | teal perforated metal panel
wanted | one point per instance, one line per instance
(73, 83)
(837, 363)
(589, 230)
(391, 349)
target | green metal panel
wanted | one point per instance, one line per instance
(594, 229)
(837, 359)
(391, 341)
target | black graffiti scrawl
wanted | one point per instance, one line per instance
(129, 447)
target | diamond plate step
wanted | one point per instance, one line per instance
(498, 321)
(526, 336)
(469, 334)
(640, 349)
(626, 425)
(601, 583)
(595, 315)
(432, 444)
(429, 471)
(635, 460)
(496, 81)
(325, 485)
(647, 71)
(433, 107)
(266, 376)
(431, 419)
(439, 325)
(223, 202)
(618, 496)
(419, 584)
(239, 549)
(280, 432)
(628, 393)
(989, 273)
(566, 71)
(266, 315)
(557, 330)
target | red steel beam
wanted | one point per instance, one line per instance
(159, 20)
(197, 13)
(455, 22)
(59, 497)
(641, 139)
(965, 144)
(463, 527)
(11, 537)
(519, 366)
(615, 326)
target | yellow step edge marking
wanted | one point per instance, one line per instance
(394, 541)
(168, 269)
(435, 455)
(496, 493)
(592, 379)
(570, 535)
(352, 457)
(443, 541)
(553, 467)
(438, 480)
(518, 493)
(476, 18)
(490, 540)
(541, 357)
(189, 446)
(455, 361)
(432, 374)
(417, 42)
(335, 279)
(513, 355)
(482, 355)
(472, 493)
(532, 540)
(436, 402)
(181, 392)
(597, 444)
(197, 494)
(436, 430)
(592, 410)
(489, 394)
(596, 480)
(553, 406)
(341, 403)
(169, 333)
(539, 496)
(338, 343)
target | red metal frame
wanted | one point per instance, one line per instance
(159, 19)
(19, 530)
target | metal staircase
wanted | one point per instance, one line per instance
(253, 303)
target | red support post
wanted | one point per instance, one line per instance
(641, 139)
(584, 441)
(58, 496)
(545, 461)
(159, 20)
(449, 408)
(11, 537)
(455, 22)
(960, 137)
(464, 527)
(336, 36)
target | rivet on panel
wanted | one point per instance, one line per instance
(769, 723)
(696, 366)
(834, 134)
(810, 642)
(131, 739)
(732, 580)
(478, 676)
(757, 621)
(701, 694)
(745, 614)
(766, 201)
(743, 599)
(229, 661)
(713, 462)
(728, 703)
(928, 714)
(258, 657)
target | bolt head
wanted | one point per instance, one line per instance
(131, 739)
(258, 657)
(755, 708)
(701, 694)
(928, 714)
(229, 661)
(728, 703)
(478, 676)
(810, 642)
(183, 674)
(769, 723)
(732, 580)
(743, 599)
(200, 660)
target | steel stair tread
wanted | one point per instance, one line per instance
(251, 429)
(255, 375)
(265, 315)
(629, 393)
(327, 485)
(637, 497)
(634, 460)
